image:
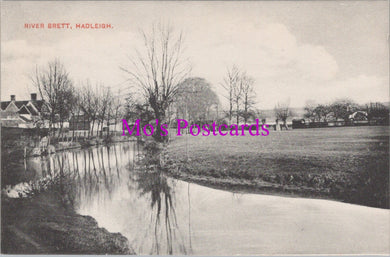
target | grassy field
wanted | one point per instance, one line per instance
(348, 163)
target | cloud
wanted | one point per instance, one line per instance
(282, 66)
(18, 49)
(314, 62)
(270, 53)
(265, 50)
(95, 57)
(363, 88)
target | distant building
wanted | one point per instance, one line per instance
(79, 122)
(21, 113)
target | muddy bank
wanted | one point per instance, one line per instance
(44, 224)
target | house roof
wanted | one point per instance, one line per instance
(4, 105)
(32, 110)
(18, 104)
(24, 110)
(24, 119)
(37, 103)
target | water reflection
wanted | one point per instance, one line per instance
(160, 215)
(164, 230)
(140, 198)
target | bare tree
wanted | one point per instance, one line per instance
(117, 111)
(160, 69)
(240, 93)
(55, 86)
(74, 109)
(230, 83)
(282, 112)
(105, 100)
(237, 97)
(248, 96)
(89, 103)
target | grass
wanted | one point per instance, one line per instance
(348, 163)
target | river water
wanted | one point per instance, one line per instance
(161, 215)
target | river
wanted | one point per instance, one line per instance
(161, 215)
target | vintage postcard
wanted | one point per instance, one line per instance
(211, 128)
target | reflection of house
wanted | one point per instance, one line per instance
(21, 113)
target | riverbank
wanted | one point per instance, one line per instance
(42, 224)
(41, 219)
(347, 164)
(17, 143)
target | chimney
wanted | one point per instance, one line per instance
(12, 97)
(33, 97)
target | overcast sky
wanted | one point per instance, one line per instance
(294, 50)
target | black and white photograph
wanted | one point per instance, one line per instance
(207, 128)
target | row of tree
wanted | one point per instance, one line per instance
(341, 109)
(240, 94)
(160, 74)
(84, 103)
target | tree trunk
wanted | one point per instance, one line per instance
(73, 128)
(246, 109)
(230, 113)
(160, 116)
(237, 111)
(92, 127)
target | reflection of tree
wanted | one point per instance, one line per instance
(156, 184)
(83, 174)
(147, 175)
(189, 215)
(89, 178)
